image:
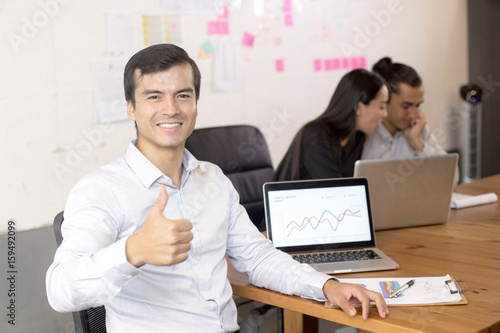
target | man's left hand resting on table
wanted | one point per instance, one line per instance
(341, 294)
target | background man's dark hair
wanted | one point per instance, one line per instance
(395, 73)
(156, 58)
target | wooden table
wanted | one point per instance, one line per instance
(466, 247)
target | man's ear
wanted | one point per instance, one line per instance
(130, 111)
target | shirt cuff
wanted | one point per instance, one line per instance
(315, 283)
(112, 262)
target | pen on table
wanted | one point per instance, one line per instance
(402, 288)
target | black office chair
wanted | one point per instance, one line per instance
(242, 154)
(91, 320)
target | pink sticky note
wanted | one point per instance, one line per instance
(288, 20)
(248, 39)
(213, 27)
(354, 63)
(336, 63)
(223, 28)
(280, 65)
(225, 13)
(345, 63)
(362, 62)
(317, 64)
(287, 6)
(328, 64)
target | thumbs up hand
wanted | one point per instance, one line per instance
(160, 241)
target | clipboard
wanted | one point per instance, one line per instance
(427, 291)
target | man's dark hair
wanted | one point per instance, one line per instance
(156, 58)
(395, 73)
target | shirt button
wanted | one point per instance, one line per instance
(311, 291)
(128, 277)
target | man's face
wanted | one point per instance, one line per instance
(403, 108)
(165, 108)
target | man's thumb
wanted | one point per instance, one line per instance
(160, 204)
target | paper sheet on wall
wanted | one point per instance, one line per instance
(162, 28)
(120, 34)
(109, 98)
(228, 66)
(192, 6)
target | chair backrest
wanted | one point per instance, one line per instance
(92, 320)
(241, 152)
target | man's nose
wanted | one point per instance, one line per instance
(169, 108)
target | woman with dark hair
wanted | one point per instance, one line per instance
(328, 146)
(404, 132)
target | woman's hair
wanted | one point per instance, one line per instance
(339, 118)
(396, 73)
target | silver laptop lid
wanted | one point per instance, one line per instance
(409, 192)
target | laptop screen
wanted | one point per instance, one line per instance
(313, 214)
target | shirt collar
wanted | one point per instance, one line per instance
(384, 134)
(148, 173)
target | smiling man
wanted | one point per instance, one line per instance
(404, 133)
(139, 240)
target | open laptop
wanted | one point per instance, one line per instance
(409, 192)
(325, 223)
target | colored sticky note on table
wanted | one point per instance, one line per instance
(317, 64)
(288, 20)
(280, 65)
(248, 39)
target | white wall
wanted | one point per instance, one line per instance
(46, 89)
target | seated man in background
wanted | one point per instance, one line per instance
(404, 132)
(146, 235)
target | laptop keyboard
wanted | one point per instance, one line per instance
(337, 256)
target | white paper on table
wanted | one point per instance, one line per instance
(425, 290)
(459, 200)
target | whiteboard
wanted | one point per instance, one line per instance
(50, 134)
